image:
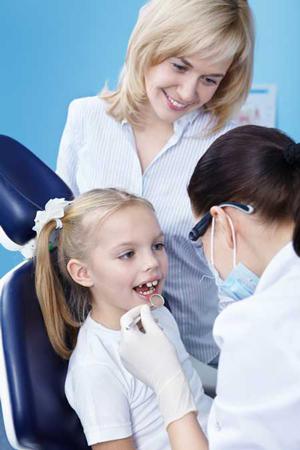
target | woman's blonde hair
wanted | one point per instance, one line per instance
(64, 303)
(216, 29)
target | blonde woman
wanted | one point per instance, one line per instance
(108, 256)
(188, 68)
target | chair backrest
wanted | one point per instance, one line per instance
(36, 412)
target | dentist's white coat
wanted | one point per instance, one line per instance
(258, 391)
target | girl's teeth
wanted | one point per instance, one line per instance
(149, 292)
(152, 283)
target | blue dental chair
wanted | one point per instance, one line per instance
(35, 410)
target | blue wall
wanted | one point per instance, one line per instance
(55, 50)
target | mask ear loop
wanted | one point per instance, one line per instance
(233, 239)
(212, 241)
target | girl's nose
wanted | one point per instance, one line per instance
(150, 262)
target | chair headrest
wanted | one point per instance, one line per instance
(26, 184)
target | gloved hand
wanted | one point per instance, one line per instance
(151, 358)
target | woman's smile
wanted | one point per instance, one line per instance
(176, 105)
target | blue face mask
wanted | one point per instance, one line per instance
(241, 282)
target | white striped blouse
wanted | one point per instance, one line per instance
(97, 151)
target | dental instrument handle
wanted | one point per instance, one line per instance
(156, 301)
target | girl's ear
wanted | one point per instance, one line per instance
(223, 224)
(78, 271)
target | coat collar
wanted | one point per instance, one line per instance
(279, 265)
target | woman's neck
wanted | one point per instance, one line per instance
(151, 120)
(265, 245)
(150, 138)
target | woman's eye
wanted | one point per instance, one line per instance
(210, 82)
(127, 255)
(159, 246)
(179, 67)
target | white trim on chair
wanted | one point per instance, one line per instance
(4, 392)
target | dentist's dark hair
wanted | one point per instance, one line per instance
(254, 165)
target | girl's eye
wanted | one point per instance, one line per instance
(159, 246)
(127, 255)
(179, 67)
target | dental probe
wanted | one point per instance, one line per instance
(156, 301)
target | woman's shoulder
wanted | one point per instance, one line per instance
(87, 104)
(203, 124)
(229, 125)
(91, 112)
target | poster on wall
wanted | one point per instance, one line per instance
(260, 106)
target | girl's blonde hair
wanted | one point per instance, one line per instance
(63, 302)
(216, 29)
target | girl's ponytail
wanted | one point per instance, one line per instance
(58, 319)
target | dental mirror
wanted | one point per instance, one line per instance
(157, 300)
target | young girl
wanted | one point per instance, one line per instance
(109, 257)
(188, 68)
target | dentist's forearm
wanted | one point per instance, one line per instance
(186, 433)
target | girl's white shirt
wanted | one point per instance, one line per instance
(109, 401)
(258, 390)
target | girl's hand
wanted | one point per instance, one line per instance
(151, 358)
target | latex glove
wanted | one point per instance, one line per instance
(152, 358)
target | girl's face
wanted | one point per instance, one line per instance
(128, 263)
(182, 84)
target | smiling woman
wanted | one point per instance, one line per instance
(188, 67)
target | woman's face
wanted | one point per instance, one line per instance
(182, 84)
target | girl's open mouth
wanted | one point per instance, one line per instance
(147, 289)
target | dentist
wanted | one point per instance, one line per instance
(245, 195)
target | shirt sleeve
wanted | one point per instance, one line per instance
(70, 144)
(170, 327)
(257, 403)
(100, 400)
